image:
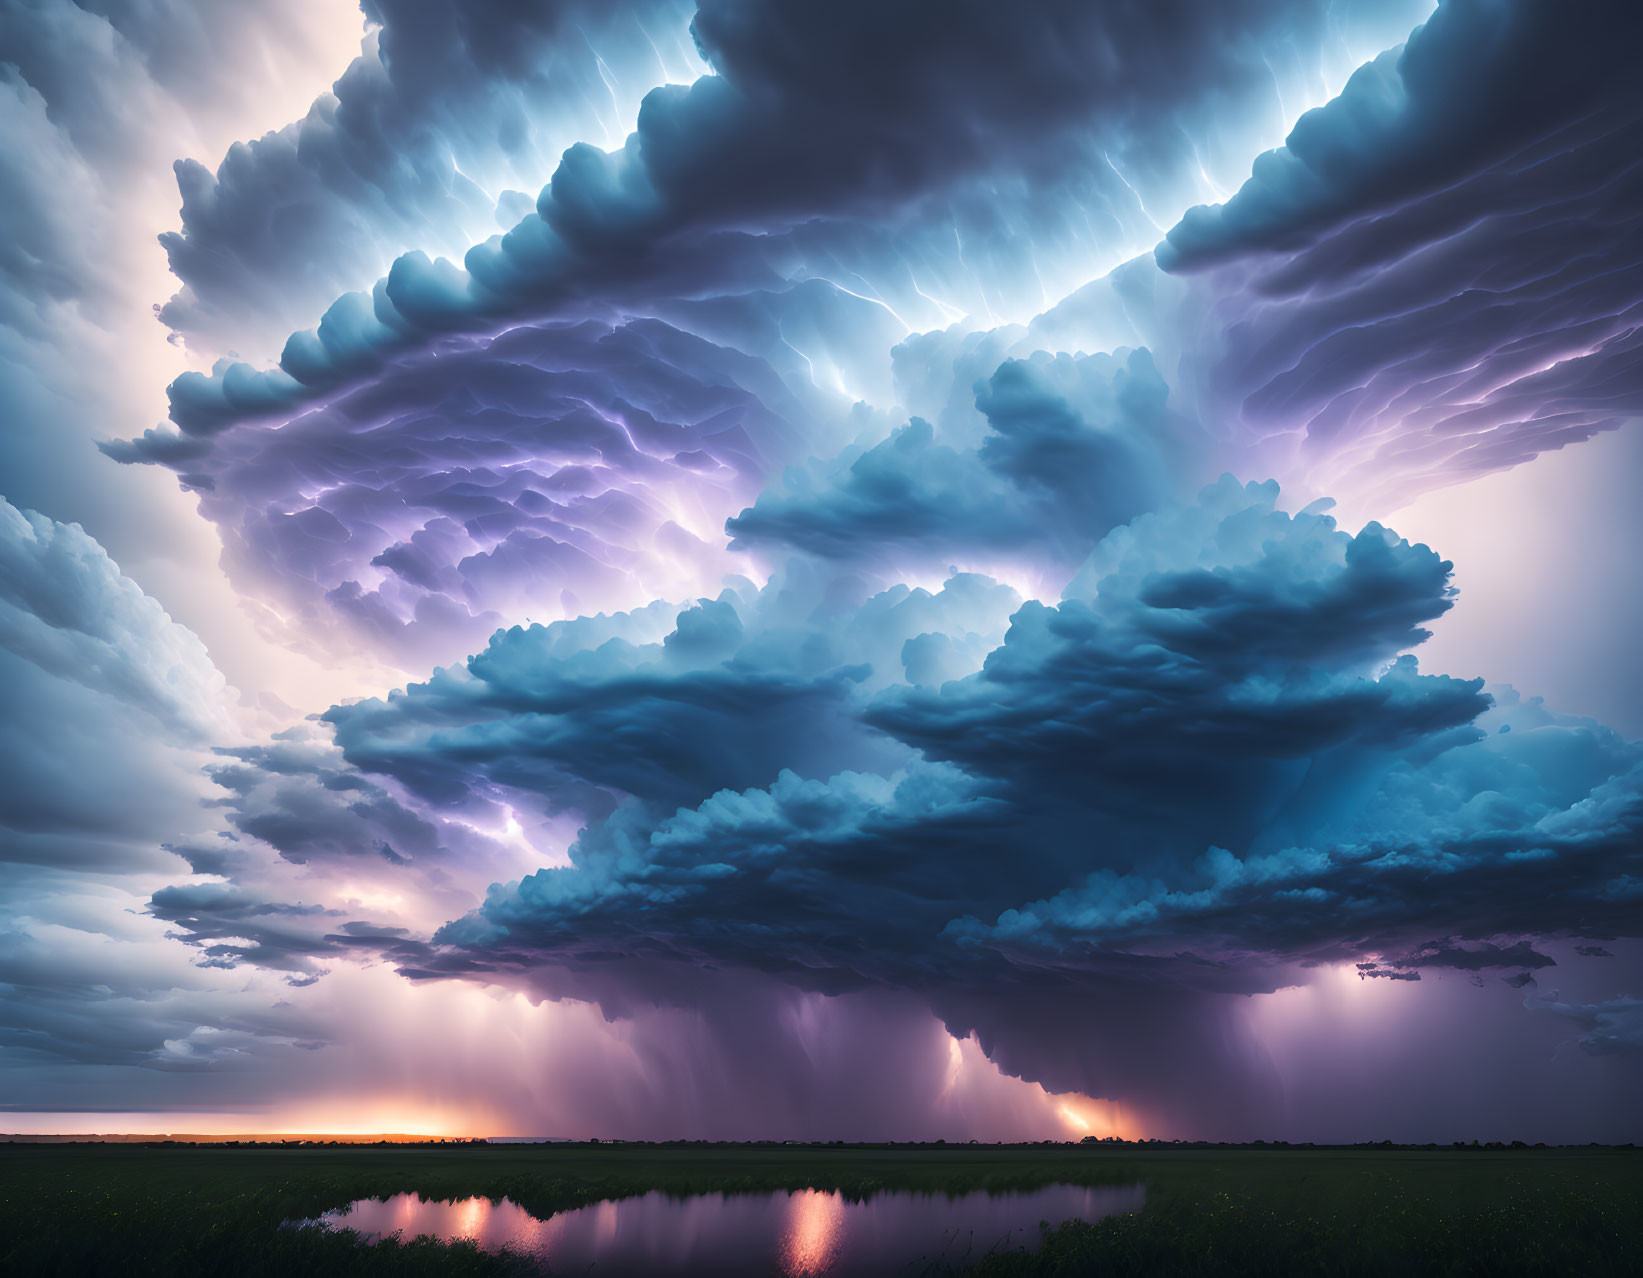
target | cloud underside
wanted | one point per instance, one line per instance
(1435, 278)
(1203, 770)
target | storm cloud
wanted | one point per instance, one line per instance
(1205, 771)
(632, 220)
(1438, 274)
(810, 532)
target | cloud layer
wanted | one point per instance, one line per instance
(1204, 772)
(1444, 258)
(783, 459)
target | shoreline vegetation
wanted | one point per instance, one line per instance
(167, 1207)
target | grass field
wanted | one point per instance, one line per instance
(209, 1210)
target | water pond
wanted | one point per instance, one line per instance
(806, 1232)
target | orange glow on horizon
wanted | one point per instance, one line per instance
(356, 1116)
(970, 1096)
(1084, 1116)
(1037, 1112)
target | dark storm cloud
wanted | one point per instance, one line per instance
(388, 160)
(1220, 677)
(1440, 274)
(635, 714)
(1225, 687)
(1472, 86)
(335, 833)
(776, 139)
(1472, 958)
(493, 479)
(803, 879)
(1072, 828)
(577, 716)
(1209, 649)
(231, 925)
(303, 802)
(226, 925)
(1475, 840)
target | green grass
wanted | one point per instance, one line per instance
(208, 1210)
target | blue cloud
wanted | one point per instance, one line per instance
(578, 716)
(1074, 447)
(1210, 755)
(1217, 648)
(619, 220)
(800, 878)
(415, 146)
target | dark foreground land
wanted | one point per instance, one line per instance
(209, 1210)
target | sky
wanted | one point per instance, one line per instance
(834, 570)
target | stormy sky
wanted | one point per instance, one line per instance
(839, 569)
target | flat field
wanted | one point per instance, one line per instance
(216, 1210)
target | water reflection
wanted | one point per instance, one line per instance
(815, 1221)
(806, 1234)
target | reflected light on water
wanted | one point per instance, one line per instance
(814, 1224)
(471, 1217)
(807, 1234)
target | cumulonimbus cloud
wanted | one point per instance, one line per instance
(801, 508)
(1205, 768)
